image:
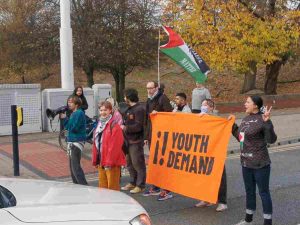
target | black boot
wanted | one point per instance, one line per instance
(268, 222)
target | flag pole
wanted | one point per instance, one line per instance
(158, 72)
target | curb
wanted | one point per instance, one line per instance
(276, 144)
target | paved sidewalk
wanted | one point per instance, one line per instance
(41, 157)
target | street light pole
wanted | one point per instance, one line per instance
(66, 46)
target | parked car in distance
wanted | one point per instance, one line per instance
(27, 201)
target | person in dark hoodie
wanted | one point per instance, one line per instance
(134, 132)
(157, 102)
(79, 92)
(255, 131)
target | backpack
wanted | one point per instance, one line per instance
(125, 146)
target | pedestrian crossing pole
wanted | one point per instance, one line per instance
(15, 141)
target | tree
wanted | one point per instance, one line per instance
(114, 36)
(87, 24)
(281, 15)
(130, 38)
(229, 35)
(28, 37)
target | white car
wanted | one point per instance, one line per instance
(38, 202)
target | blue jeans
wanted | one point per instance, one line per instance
(261, 178)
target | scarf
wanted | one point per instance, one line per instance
(154, 95)
(101, 126)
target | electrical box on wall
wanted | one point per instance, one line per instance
(27, 96)
(101, 92)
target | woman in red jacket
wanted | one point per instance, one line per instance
(108, 155)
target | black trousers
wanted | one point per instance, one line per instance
(261, 178)
(77, 173)
(222, 197)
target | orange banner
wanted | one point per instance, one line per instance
(187, 153)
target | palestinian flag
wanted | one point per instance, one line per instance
(185, 56)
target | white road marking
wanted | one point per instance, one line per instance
(271, 150)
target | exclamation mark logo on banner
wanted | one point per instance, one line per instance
(156, 148)
(163, 150)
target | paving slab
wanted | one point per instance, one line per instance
(45, 160)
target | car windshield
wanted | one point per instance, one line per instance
(7, 199)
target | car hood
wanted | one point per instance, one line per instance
(48, 201)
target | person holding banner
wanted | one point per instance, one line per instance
(208, 107)
(157, 102)
(255, 131)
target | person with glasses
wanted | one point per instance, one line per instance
(157, 102)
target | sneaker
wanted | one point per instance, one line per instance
(164, 196)
(151, 191)
(128, 187)
(243, 222)
(221, 207)
(136, 190)
(202, 204)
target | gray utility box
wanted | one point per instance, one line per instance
(27, 96)
(57, 97)
(101, 92)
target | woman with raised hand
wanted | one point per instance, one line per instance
(254, 133)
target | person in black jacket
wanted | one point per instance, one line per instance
(157, 102)
(255, 131)
(134, 132)
(79, 92)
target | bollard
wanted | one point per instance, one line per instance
(15, 140)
